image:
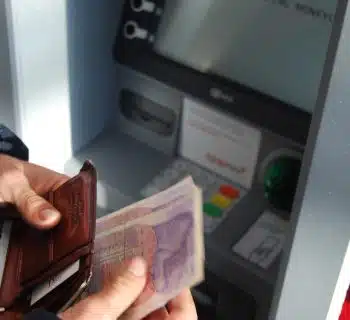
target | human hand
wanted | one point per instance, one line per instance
(180, 308)
(22, 184)
(118, 294)
(121, 292)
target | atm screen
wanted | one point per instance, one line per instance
(277, 47)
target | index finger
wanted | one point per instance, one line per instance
(182, 307)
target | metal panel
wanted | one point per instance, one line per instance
(321, 219)
(63, 73)
(38, 49)
(6, 93)
(93, 77)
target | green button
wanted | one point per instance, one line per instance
(212, 210)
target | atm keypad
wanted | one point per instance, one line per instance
(219, 195)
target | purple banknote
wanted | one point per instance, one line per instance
(166, 230)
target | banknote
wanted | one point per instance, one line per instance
(167, 231)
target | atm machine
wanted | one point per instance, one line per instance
(223, 91)
(249, 98)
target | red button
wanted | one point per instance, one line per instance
(229, 191)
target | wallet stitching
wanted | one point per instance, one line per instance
(20, 263)
(51, 249)
(51, 242)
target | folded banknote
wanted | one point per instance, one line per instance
(167, 231)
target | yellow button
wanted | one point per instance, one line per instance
(221, 201)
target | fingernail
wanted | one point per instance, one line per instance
(48, 214)
(137, 266)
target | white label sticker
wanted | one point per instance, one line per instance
(264, 240)
(341, 288)
(5, 232)
(219, 143)
(45, 288)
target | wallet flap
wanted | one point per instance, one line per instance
(34, 256)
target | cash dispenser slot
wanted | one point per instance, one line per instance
(218, 299)
(147, 113)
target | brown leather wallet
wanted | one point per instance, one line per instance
(40, 259)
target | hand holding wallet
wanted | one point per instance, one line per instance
(50, 269)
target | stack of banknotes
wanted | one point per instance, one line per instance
(167, 231)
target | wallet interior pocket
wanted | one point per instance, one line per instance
(63, 294)
(55, 293)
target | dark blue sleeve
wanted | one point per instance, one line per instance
(11, 145)
(40, 314)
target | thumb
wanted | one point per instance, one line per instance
(33, 208)
(115, 298)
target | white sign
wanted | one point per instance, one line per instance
(45, 288)
(5, 232)
(264, 240)
(219, 143)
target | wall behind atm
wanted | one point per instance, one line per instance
(63, 73)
